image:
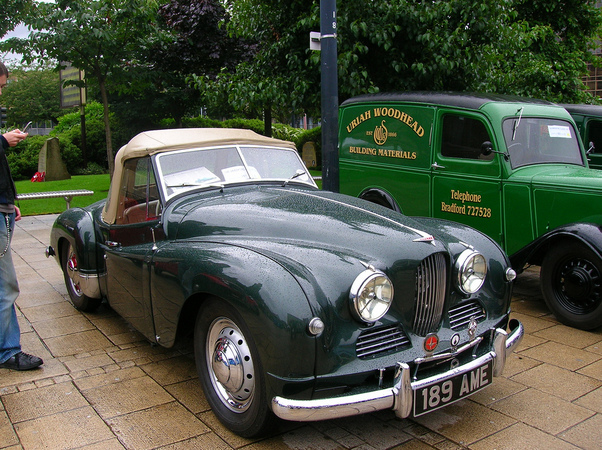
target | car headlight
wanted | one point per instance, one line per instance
(371, 295)
(472, 269)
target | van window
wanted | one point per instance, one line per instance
(534, 140)
(463, 137)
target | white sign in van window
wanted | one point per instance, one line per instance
(559, 131)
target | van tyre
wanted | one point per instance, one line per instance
(230, 371)
(571, 284)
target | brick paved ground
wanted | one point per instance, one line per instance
(104, 387)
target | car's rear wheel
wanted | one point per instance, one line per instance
(571, 284)
(230, 370)
(69, 264)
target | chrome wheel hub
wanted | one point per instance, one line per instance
(230, 365)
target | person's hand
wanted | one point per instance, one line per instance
(14, 137)
(17, 213)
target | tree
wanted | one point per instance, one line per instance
(108, 39)
(536, 48)
(32, 95)
(202, 46)
(11, 13)
(283, 76)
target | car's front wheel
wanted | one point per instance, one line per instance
(70, 268)
(230, 370)
(571, 284)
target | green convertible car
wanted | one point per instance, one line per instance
(303, 304)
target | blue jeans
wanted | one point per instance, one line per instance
(10, 335)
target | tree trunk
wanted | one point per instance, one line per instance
(105, 105)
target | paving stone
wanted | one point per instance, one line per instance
(8, 437)
(77, 343)
(466, 422)
(569, 336)
(500, 388)
(304, 438)
(45, 401)
(586, 435)
(543, 411)
(109, 378)
(172, 370)
(127, 396)
(77, 364)
(557, 381)
(533, 324)
(561, 355)
(69, 429)
(62, 326)
(205, 441)
(147, 429)
(49, 312)
(521, 436)
(592, 401)
(190, 394)
(593, 370)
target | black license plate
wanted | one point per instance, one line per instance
(442, 393)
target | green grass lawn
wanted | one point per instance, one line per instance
(97, 183)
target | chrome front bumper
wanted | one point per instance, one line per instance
(400, 396)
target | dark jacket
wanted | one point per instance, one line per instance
(7, 185)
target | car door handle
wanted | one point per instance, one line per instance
(437, 166)
(112, 244)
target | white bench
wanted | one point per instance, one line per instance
(67, 195)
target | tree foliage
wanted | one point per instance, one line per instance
(11, 14)
(535, 48)
(32, 95)
(108, 39)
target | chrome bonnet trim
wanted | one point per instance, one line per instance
(400, 396)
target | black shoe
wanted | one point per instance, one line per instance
(22, 361)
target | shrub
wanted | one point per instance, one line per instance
(23, 158)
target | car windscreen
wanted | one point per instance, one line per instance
(184, 170)
(541, 140)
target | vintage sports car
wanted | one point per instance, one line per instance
(303, 304)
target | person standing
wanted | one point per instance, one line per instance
(11, 356)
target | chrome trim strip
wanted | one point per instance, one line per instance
(399, 397)
(88, 283)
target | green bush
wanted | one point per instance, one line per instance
(23, 158)
(68, 131)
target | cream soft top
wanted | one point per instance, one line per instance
(156, 141)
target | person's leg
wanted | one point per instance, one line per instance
(10, 334)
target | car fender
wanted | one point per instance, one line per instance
(589, 234)
(76, 226)
(269, 298)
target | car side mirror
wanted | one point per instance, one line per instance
(486, 148)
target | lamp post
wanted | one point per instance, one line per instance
(330, 95)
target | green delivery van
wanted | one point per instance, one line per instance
(512, 167)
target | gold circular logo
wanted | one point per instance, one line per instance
(381, 134)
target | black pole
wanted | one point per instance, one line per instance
(330, 95)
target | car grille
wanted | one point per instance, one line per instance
(380, 340)
(460, 315)
(431, 279)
